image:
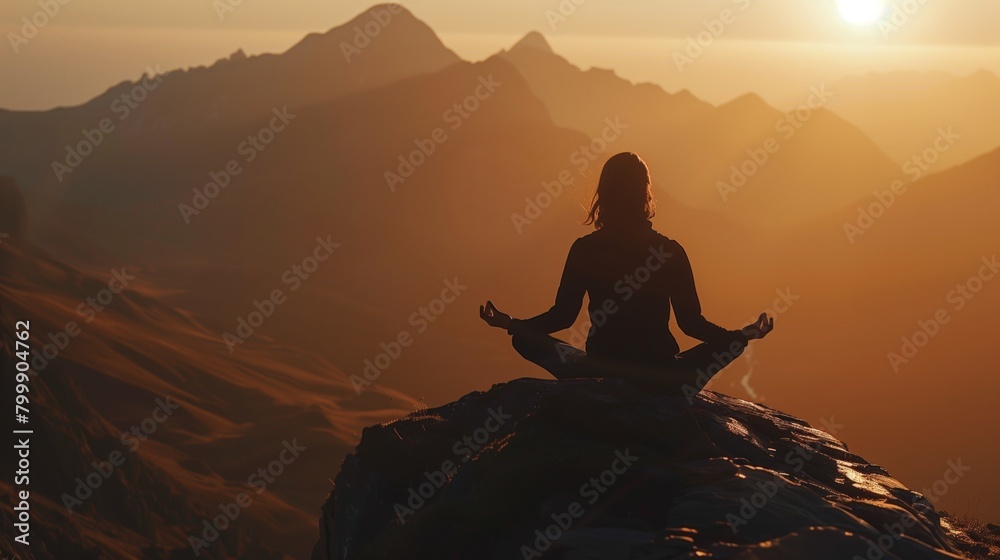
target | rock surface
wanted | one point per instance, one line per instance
(595, 469)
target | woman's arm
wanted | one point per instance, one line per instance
(687, 307)
(569, 299)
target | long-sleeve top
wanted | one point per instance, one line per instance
(632, 277)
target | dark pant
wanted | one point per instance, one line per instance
(685, 375)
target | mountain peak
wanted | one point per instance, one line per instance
(383, 13)
(534, 40)
(373, 23)
(747, 102)
(590, 468)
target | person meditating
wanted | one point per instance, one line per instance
(633, 275)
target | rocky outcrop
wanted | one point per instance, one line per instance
(595, 469)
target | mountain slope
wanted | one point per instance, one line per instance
(122, 375)
(582, 99)
(905, 111)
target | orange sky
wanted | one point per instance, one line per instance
(773, 47)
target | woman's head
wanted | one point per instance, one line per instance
(623, 194)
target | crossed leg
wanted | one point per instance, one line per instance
(686, 375)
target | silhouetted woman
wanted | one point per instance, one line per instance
(633, 275)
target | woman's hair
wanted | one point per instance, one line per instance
(623, 194)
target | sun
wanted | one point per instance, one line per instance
(861, 12)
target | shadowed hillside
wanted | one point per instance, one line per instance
(141, 386)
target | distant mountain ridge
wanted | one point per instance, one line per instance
(744, 159)
(904, 110)
(237, 92)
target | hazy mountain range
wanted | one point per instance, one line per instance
(427, 172)
(903, 112)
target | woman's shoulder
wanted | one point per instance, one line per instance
(666, 240)
(586, 243)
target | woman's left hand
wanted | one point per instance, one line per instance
(759, 328)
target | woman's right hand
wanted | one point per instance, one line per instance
(759, 328)
(493, 316)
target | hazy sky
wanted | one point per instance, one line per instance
(774, 47)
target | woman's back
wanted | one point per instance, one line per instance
(629, 275)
